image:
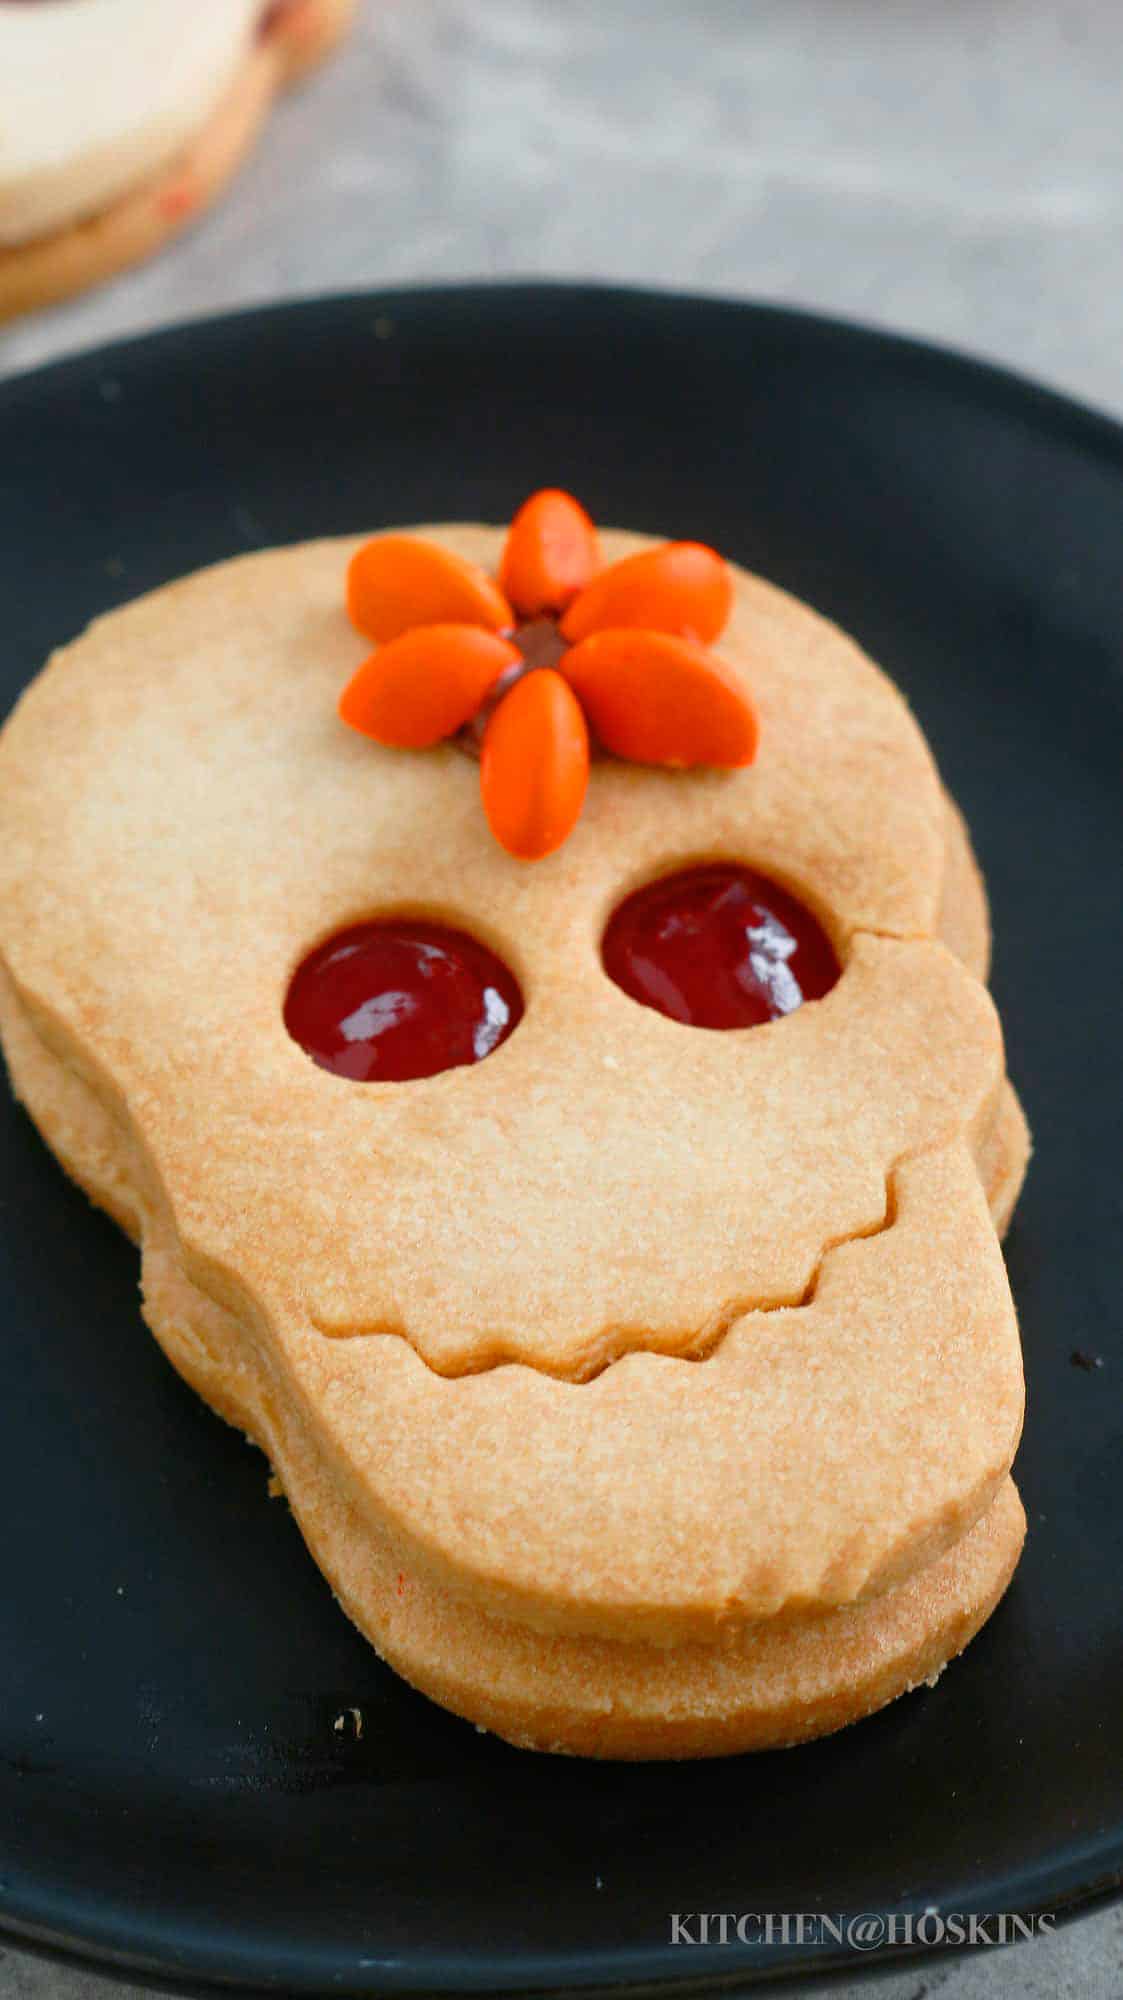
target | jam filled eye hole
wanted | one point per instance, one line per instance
(717, 947)
(383, 1002)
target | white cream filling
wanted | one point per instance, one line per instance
(96, 95)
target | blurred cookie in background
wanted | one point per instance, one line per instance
(121, 120)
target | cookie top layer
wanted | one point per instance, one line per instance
(820, 1454)
(182, 817)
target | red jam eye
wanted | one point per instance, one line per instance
(383, 1002)
(717, 947)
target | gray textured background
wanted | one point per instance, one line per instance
(952, 168)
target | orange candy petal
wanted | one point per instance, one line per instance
(661, 700)
(682, 587)
(534, 766)
(423, 686)
(397, 581)
(550, 554)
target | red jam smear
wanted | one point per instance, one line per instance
(400, 998)
(718, 946)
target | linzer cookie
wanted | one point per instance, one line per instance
(543, 1051)
(122, 120)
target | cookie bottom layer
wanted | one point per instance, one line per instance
(769, 1687)
(54, 267)
(765, 1685)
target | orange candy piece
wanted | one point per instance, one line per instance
(550, 554)
(423, 686)
(682, 587)
(638, 671)
(398, 581)
(657, 699)
(534, 765)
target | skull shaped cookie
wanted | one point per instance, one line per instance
(643, 1388)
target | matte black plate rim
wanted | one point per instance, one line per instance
(1006, 382)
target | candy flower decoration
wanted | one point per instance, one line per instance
(521, 669)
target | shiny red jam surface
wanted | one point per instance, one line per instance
(384, 1002)
(717, 947)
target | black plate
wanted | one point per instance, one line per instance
(175, 1794)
